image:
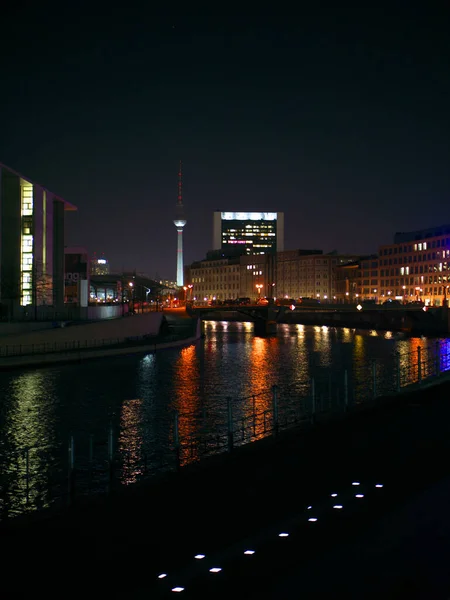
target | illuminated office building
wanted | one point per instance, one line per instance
(31, 244)
(254, 232)
(99, 266)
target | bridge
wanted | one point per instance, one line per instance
(410, 317)
(265, 318)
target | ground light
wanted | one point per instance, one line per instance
(359, 495)
(333, 495)
(338, 506)
(378, 485)
(215, 570)
(162, 575)
(249, 552)
(283, 535)
(199, 556)
(356, 483)
(178, 589)
(313, 519)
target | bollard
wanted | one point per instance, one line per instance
(176, 439)
(374, 379)
(230, 424)
(313, 400)
(27, 474)
(346, 389)
(71, 476)
(419, 364)
(397, 371)
(275, 408)
(438, 359)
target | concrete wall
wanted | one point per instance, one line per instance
(18, 328)
(95, 313)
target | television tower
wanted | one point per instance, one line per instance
(179, 223)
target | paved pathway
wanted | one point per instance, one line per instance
(136, 325)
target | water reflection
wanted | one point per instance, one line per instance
(187, 400)
(131, 441)
(27, 440)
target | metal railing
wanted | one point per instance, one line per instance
(41, 476)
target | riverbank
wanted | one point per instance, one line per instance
(130, 335)
(161, 524)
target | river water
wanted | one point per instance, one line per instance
(55, 415)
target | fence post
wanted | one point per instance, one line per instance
(275, 408)
(346, 389)
(438, 359)
(110, 453)
(176, 439)
(230, 424)
(313, 400)
(397, 371)
(374, 379)
(419, 364)
(71, 463)
(27, 475)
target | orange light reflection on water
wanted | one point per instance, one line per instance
(187, 402)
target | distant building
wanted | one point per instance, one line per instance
(76, 276)
(303, 275)
(99, 266)
(416, 266)
(31, 245)
(358, 280)
(256, 232)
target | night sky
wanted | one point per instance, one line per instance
(339, 118)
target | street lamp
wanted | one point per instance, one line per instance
(131, 284)
(259, 288)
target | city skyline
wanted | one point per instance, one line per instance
(339, 121)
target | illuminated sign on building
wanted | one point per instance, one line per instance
(249, 216)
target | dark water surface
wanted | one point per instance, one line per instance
(53, 415)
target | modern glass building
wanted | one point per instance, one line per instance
(254, 232)
(31, 244)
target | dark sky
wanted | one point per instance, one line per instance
(339, 118)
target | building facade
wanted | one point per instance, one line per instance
(31, 245)
(416, 266)
(308, 274)
(76, 276)
(254, 232)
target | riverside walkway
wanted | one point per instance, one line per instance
(112, 337)
(374, 546)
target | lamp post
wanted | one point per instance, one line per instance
(259, 288)
(404, 294)
(131, 286)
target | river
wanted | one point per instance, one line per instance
(52, 416)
